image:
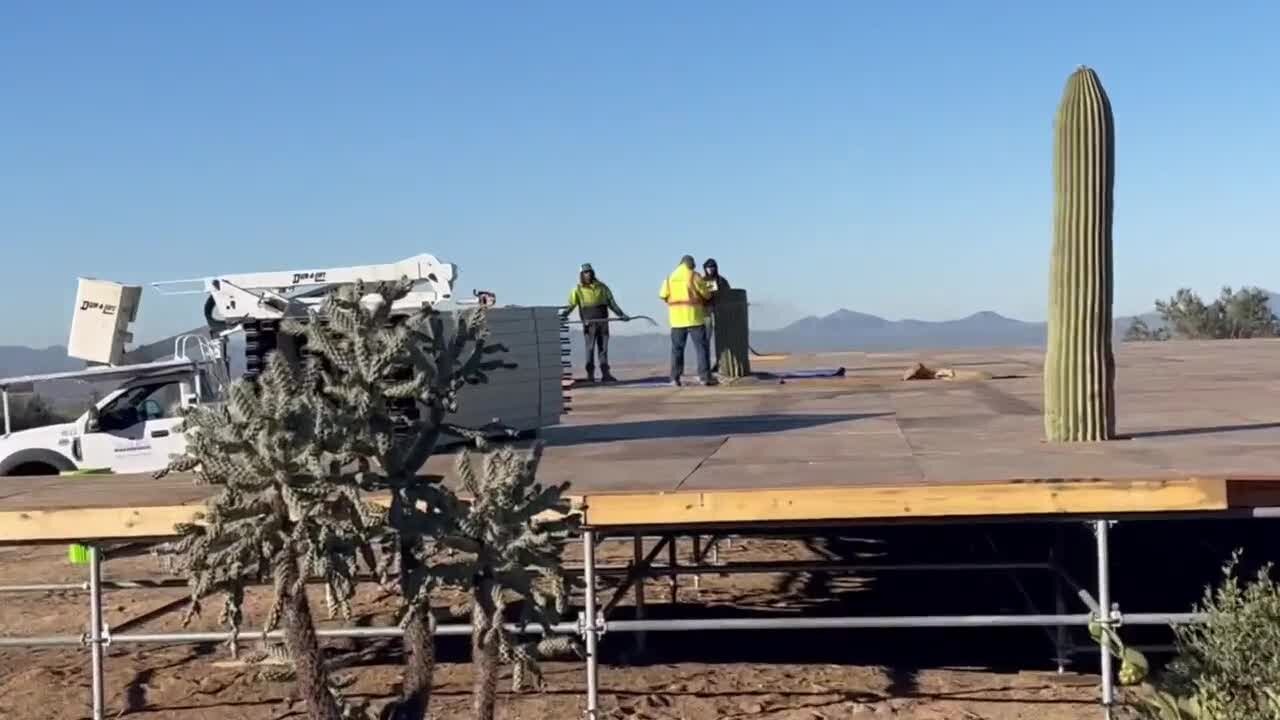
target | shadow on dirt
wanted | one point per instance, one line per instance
(1155, 567)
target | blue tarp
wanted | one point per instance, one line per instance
(803, 374)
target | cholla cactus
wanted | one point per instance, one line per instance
(366, 367)
(366, 363)
(510, 537)
(286, 510)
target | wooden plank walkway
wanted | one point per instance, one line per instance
(1202, 432)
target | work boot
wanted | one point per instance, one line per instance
(606, 376)
(591, 376)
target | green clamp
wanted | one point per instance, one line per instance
(78, 554)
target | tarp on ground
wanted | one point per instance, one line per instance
(802, 374)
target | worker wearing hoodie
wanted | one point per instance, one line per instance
(594, 300)
(686, 295)
(719, 286)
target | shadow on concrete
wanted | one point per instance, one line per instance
(1211, 430)
(642, 382)
(664, 380)
(695, 427)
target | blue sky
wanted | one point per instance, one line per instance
(891, 158)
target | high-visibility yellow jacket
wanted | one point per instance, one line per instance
(597, 294)
(686, 295)
(593, 302)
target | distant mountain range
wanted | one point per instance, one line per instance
(846, 330)
(849, 330)
(71, 396)
(838, 331)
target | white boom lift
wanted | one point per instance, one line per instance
(257, 302)
(276, 295)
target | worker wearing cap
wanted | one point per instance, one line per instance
(686, 295)
(594, 300)
(717, 284)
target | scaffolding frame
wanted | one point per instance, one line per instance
(592, 623)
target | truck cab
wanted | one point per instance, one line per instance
(133, 429)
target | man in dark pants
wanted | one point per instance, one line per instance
(594, 300)
(717, 284)
(686, 297)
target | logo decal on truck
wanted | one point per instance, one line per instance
(316, 276)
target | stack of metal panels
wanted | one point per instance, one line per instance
(532, 394)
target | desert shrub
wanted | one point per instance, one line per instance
(1229, 667)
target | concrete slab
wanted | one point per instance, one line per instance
(1192, 408)
(810, 447)
(805, 474)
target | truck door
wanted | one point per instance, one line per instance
(136, 431)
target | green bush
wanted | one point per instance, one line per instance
(1229, 667)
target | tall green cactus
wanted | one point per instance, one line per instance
(1079, 368)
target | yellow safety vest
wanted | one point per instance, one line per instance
(597, 293)
(686, 295)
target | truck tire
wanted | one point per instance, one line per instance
(35, 462)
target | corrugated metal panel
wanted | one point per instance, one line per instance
(530, 395)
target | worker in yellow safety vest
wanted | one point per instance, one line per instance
(594, 300)
(686, 295)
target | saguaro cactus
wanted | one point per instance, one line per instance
(1079, 368)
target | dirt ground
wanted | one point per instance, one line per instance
(803, 675)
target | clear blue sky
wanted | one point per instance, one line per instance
(892, 158)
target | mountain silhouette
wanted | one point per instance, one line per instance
(842, 330)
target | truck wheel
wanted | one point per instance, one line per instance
(33, 462)
(32, 469)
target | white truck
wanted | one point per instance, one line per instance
(133, 428)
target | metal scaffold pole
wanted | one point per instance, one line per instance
(590, 629)
(1057, 562)
(640, 565)
(96, 638)
(1101, 532)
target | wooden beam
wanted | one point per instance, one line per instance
(743, 507)
(903, 501)
(84, 524)
(100, 524)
